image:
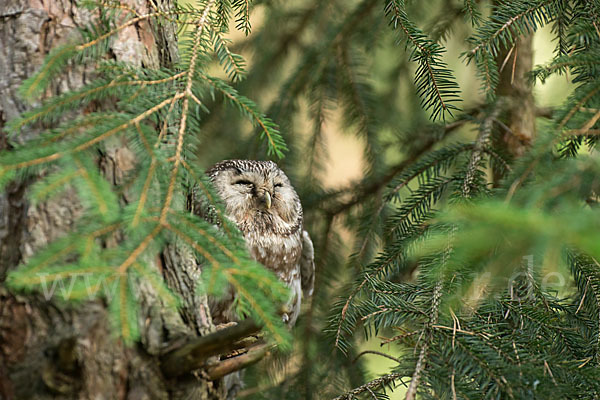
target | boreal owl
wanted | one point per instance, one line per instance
(260, 199)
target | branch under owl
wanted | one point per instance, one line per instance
(238, 346)
(240, 361)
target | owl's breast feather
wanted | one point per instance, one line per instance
(280, 254)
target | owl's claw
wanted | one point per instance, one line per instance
(285, 311)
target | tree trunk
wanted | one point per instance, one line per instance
(516, 91)
(516, 96)
(55, 350)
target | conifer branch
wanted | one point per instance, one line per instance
(230, 273)
(119, 28)
(209, 196)
(163, 130)
(435, 83)
(411, 393)
(578, 106)
(374, 384)
(242, 291)
(102, 206)
(268, 127)
(506, 27)
(210, 238)
(201, 250)
(144, 192)
(399, 337)
(416, 376)
(480, 143)
(137, 252)
(93, 141)
(242, 15)
(35, 83)
(70, 98)
(587, 126)
(184, 110)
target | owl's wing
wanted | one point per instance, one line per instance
(307, 265)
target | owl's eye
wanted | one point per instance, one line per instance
(278, 185)
(243, 182)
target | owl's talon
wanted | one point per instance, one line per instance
(225, 325)
(285, 309)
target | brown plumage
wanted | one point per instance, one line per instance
(260, 199)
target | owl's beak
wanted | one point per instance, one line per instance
(267, 199)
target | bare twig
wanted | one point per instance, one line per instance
(379, 353)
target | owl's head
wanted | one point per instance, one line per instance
(256, 190)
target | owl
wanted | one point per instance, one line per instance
(260, 199)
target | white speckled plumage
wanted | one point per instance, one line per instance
(260, 199)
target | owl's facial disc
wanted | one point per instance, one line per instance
(261, 193)
(256, 192)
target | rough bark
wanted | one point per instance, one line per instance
(53, 350)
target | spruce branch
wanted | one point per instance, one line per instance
(379, 353)
(237, 277)
(367, 387)
(470, 9)
(184, 112)
(480, 144)
(400, 337)
(435, 83)
(520, 16)
(276, 144)
(595, 89)
(91, 142)
(145, 191)
(242, 9)
(585, 128)
(87, 93)
(233, 64)
(411, 393)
